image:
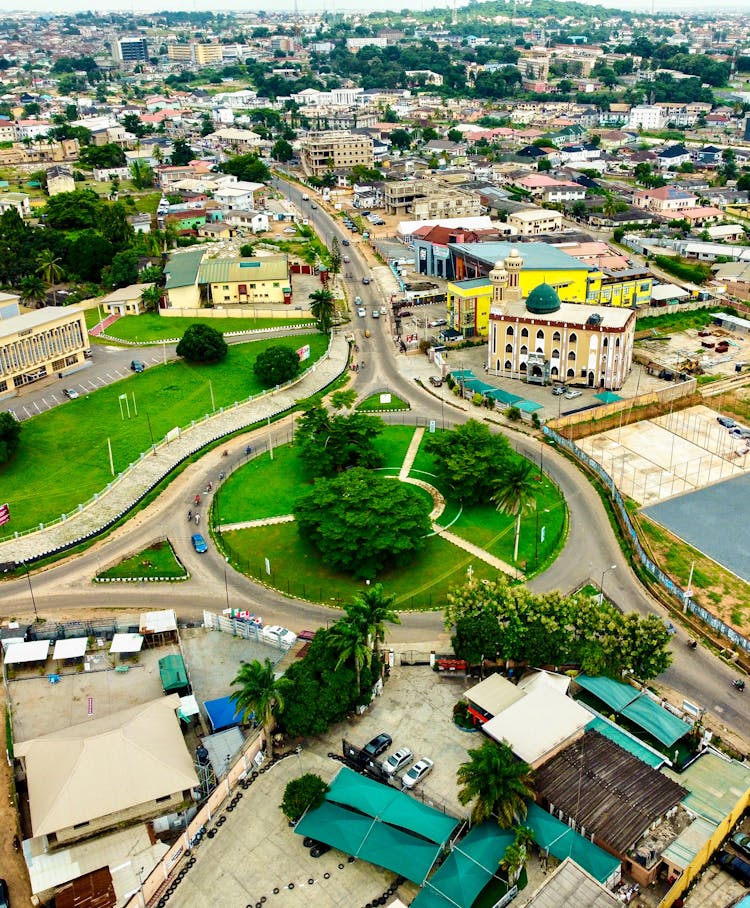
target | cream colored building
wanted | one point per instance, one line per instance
(427, 200)
(199, 54)
(39, 344)
(334, 150)
(535, 221)
(60, 179)
(541, 340)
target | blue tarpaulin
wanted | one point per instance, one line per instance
(222, 713)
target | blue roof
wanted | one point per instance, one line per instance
(536, 256)
(222, 713)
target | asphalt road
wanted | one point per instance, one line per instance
(591, 552)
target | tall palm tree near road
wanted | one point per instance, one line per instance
(347, 640)
(499, 784)
(375, 609)
(515, 494)
(322, 306)
(33, 289)
(261, 694)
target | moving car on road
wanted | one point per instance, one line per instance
(365, 280)
(361, 312)
(199, 543)
(375, 313)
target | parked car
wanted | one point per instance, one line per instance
(405, 313)
(726, 421)
(375, 313)
(558, 390)
(438, 322)
(378, 745)
(136, 365)
(418, 771)
(365, 280)
(741, 840)
(274, 633)
(199, 543)
(402, 757)
(736, 867)
(71, 393)
(435, 381)
(305, 197)
(571, 393)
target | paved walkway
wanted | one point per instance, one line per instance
(130, 486)
(411, 453)
(481, 554)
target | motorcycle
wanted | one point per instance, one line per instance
(738, 684)
(692, 644)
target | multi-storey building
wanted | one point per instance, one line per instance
(429, 200)
(131, 50)
(334, 150)
(197, 54)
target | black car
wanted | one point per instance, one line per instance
(379, 744)
(345, 242)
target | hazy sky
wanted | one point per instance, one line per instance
(58, 6)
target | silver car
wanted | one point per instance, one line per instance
(418, 771)
(402, 757)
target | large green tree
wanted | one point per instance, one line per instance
(10, 436)
(361, 523)
(247, 167)
(76, 210)
(496, 784)
(468, 460)
(260, 695)
(514, 492)
(276, 365)
(332, 443)
(202, 344)
(303, 794)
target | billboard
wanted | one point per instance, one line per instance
(304, 352)
(4, 514)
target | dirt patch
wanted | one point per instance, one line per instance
(11, 861)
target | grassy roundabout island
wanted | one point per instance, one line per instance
(253, 518)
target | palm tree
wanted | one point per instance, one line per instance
(497, 783)
(347, 639)
(150, 298)
(49, 267)
(375, 609)
(515, 494)
(322, 308)
(33, 289)
(261, 695)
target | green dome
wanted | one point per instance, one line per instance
(543, 300)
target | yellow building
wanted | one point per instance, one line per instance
(199, 54)
(193, 282)
(39, 344)
(540, 339)
(468, 306)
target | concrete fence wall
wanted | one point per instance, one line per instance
(238, 312)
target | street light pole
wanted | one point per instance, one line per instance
(612, 567)
(31, 591)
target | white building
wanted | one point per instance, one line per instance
(533, 221)
(17, 200)
(240, 195)
(646, 116)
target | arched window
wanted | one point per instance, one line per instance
(555, 354)
(509, 348)
(573, 338)
(571, 373)
(508, 364)
(540, 334)
(523, 367)
(554, 371)
(556, 337)
(524, 332)
(539, 348)
(524, 350)
(617, 343)
(509, 332)
(572, 356)
(605, 342)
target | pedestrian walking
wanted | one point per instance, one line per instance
(190, 516)
(221, 476)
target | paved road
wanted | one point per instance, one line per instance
(591, 548)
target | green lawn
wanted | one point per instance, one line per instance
(152, 327)
(63, 458)
(393, 443)
(296, 569)
(158, 560)
(93, 317)
(373, 403)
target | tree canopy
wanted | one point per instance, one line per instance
(202, 344)
(469, 459)
(331, 444)
(10, 436)
(302, 794)
(276, 364)
(361, 523)
(498, 784)
(247, 167)
(504, 622)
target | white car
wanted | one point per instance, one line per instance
(361, 312)
(418, 771)
(375, 313)
(397, 761)
(274, 633)
(571, 394)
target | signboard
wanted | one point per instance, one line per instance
(268, 566)
(4, 514)
(304, 352)
(385, 398)
(441, 252)
(432, 426)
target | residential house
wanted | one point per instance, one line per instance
(17, 200)
(60, 179)
(673, 156)
(535, 221)
(665, 201)
(246, 219)
(242, 195)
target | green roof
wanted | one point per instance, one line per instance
(389, 805)
(614, 693)
(715, 785)
(557, 838)
(182, 269)
(536, 256)
(543, 299)
(172, 673)
(234, 270)
(689, 843)
(475, 283)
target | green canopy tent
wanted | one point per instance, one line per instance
(173, 674)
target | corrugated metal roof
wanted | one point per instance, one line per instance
(536, 256)
(268, 268)
(182, 269)
(715, 785)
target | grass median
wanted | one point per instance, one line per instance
(63, 457)
(150, 327)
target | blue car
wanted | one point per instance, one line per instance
(199, 543)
